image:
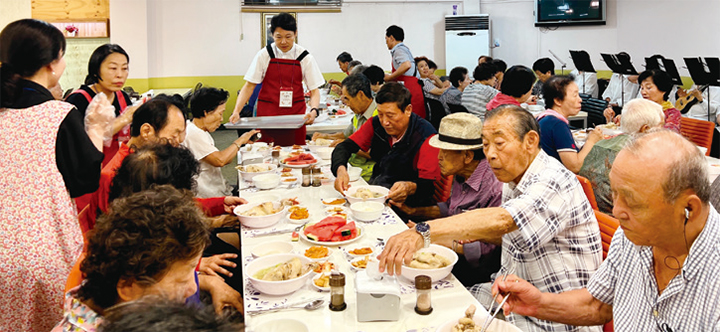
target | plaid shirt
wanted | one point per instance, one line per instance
(689, 303)
(557, 245)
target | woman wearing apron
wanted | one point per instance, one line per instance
(282, 68)
(403, 68)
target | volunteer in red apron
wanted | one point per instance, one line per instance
(107, 73)
(282, 67)
(403, 68)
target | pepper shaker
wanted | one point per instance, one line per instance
(316, 180)
(306, 178)
(337, 292)
(423, 305)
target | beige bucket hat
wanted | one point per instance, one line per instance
(459, 131)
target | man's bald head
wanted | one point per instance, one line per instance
(679, 160)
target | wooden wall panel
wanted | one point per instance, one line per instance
(56, 10)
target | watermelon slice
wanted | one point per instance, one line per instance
(347, 232)
(325, 229)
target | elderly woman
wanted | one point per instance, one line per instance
(516, 87)
(639, 116)
(149, 244)
(561, 94)
(207, 106)
(655, 85)
(432, 86)
(474, 186)
(47, 157)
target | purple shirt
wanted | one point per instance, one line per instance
(481, 190)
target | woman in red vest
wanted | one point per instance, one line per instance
(282, 67)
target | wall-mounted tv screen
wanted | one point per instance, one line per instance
(569, 12)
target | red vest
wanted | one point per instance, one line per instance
(122, 136)
(282, 74)
(416, 91)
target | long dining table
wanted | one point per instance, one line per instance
(450, 298)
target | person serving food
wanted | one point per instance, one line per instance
(282, 67)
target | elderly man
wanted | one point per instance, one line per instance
(397, 140)
(356, 93)
(661, 273)
(474, 187)
(639, 116)
(547, 228)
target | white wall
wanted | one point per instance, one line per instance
(13, 10)
(129, 29)
(674, 28)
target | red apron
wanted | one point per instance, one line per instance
(122, 136)
(412, 84)
(282, 75)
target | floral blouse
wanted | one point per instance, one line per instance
(77, 317)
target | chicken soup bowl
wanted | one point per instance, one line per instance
(259, 221)
(435, 274)
(277, 287)
(379, 191)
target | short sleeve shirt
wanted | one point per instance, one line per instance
(312, 76)
(400, 54)
(210, 182)
(555, 137)
(476, 96)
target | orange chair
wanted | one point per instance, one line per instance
(698, 131)
(608, 226)
(588, 189)
(75, 278)
(442, 188)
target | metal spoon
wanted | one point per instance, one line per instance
(313, 305)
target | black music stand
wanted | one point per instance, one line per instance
(620, 64)
(581, 60)
(701, 76)
(668, 66)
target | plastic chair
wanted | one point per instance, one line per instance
(456, 108)
(699, 132)
(588, 189)
(437, 112)
(443, 186)
(75, 278)
(608, 226)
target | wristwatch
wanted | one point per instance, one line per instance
(424, 230)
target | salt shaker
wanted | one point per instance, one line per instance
(276, 157)
(423, 305)
(306, 178)
(337, 292)
(316, 180)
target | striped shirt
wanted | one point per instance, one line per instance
(428, 86)
(557, 244)
(476, 96)
(689, 303)
(453, 96)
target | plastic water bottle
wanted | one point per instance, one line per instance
(454, 9)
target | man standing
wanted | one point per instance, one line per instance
(547, 229)
(661, 273)
(403, 68)
(397, 139)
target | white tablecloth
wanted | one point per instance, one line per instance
(449, 303)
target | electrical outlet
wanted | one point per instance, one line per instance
(496, 42)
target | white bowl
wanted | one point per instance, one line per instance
(266, 181)
(282, 325)
(335, 209)
(276, 287)
(434, 274)
(497, 325)
(261, 198)
(535, 108)
(248, 176)
(354, 173)
(326, 201)
(322, 289)
(271, 248)
(367, 211)
(702, 149)
(324, 152)
(378, 189)
(259, 221)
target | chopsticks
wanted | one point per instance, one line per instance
(490, 312)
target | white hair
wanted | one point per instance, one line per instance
(640, 112)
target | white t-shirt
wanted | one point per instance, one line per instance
(312, 76)
(614, 90)
(210, 182)
(589, 83)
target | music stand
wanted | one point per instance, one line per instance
(701, 76)
(581, 60)
(620, 64)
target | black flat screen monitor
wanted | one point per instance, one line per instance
(569, 12)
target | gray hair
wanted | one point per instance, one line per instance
(640, 112)
(359, 69)
(357, 83)
(524, 122)
(687, 170)
(354, 63)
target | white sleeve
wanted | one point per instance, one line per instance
(199, 144)
(312, 76)
(611, 90)
(256, 72)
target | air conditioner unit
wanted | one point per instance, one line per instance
(467, 37)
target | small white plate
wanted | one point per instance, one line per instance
(322, 289)
(330, 252)
(356, 269)
(347, 251)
